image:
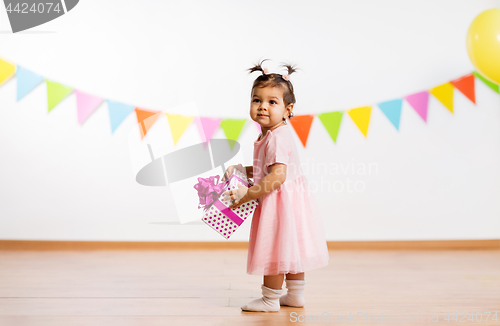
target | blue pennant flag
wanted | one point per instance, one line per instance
(26, 81)
(117, 113)
(392, 110)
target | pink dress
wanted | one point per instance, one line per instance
(286, 235)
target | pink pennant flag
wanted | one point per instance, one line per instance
(86, 104)
(419, 102)
(207, 127)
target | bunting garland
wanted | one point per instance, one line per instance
(419, 102)
(207, 128)
(232, 129)
(117, 113)
(466, 86)
(392, 110)
(491, 85)
(302, 126)
(7, 70)
(86, 104)
(26, 81)
(444, 93)
(178, 124)
(361, 117)
(331, 122)
(56, 93)
(144, 121)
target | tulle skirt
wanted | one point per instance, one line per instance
(286, 234)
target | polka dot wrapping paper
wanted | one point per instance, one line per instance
(224, 220)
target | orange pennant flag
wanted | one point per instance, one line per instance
(146, 119)
(302, 126)
(361, 117)
(466, 86)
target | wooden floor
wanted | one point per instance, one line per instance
(208, 287)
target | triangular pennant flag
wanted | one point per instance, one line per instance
(361, 117)
(331, 121)
(144, 123)
(392, 110)
(199, 127)
(466, 85)
(207, 127)
(56, 92)
(178, 124)
(85, 105)
(419, 102)
(117, 113)
(232, 129)
(26, 81)
(444, 93)
(302, 126)
(491, 85)
(7, 70)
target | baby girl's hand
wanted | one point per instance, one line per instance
(230, 169)
(239, 196)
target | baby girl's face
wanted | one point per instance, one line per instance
(267, 107)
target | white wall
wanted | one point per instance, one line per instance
(434, 180)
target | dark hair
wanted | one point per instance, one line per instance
(276, 80)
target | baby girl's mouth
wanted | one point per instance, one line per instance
(261, 115)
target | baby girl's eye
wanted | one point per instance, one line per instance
(256, 100)
(273, 102)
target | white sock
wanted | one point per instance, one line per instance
(268, 302)
(295, 294)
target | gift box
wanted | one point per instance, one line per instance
(216, 211)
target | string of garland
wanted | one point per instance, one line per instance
(86, 104)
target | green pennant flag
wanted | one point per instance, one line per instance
(491, 85)
(232, 129)
(331, 121)
(56, 93)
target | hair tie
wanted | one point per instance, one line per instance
(286, 77)
(264, 71)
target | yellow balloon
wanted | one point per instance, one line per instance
(483, 44)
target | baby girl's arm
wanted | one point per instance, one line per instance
(270, 182)
(249, 171)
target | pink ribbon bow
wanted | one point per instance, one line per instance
(209, 191)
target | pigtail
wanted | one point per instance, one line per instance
(257, 67)
(290, 68)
